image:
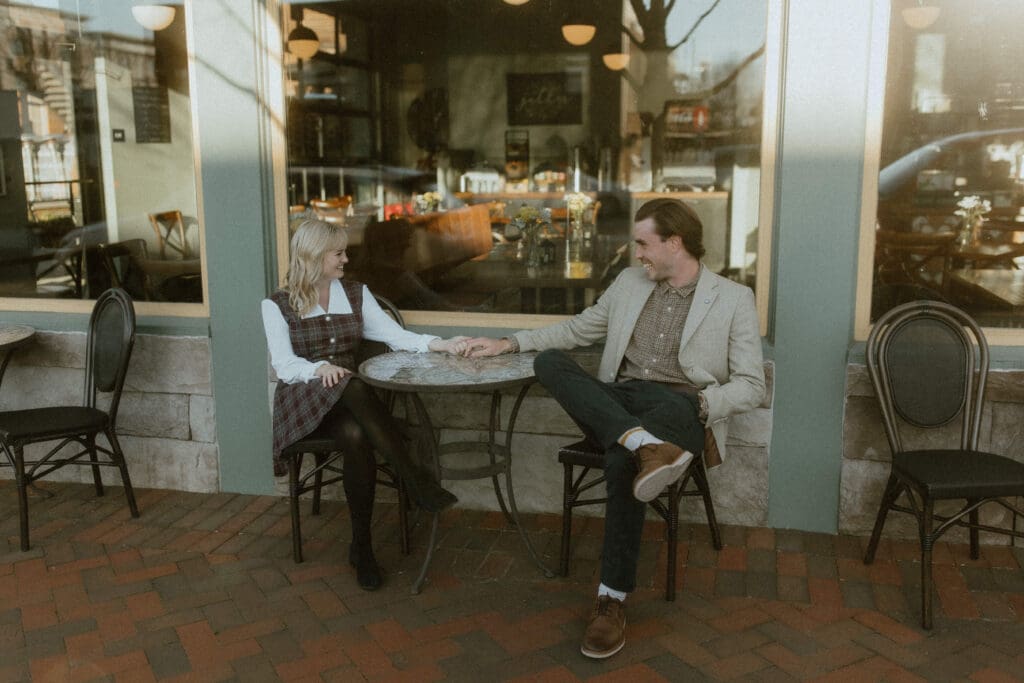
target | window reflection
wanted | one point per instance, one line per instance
(98, 181)
(953, 137)
(428, 127)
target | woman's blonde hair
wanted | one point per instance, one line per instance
(311, 241)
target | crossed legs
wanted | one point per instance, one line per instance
(604, 412)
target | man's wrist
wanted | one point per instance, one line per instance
(513, 345)
(702, 412)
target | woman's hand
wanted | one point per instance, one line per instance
(456, 346)
(331, 374)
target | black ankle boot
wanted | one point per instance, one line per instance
(367, 571)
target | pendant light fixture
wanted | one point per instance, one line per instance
(303, 42)
(614, 57)
(153, 17)
(516, 2)
(578, 31)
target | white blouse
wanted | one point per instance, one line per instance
(377, 326)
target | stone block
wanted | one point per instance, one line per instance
(172, 365)
(38, 386)
(172, 464)
(863, 432)
(53, 349)
(202, 418)
(739, 489)
(1006, 436)
(858, 381)
(1005, 385)
(153, 415)
(753, 428)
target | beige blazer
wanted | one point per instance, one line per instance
(719, 350)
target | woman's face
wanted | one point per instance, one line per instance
(335, 259)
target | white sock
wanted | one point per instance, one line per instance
(637, 437)
(605, 590)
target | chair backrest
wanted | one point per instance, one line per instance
(369, 348)
(165, 224)
(109, 347)
(124, 264)
(928, 363)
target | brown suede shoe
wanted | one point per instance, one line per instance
(661, 465)
(606, 632)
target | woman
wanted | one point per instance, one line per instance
(314, 326)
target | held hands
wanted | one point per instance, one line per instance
(331, 374)
(479, 347)
(455, 346)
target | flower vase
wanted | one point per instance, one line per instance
(976, 231)
(575, 266)
(531, 242)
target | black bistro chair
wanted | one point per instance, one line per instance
(327, 456)
(589, 456)
(928, 363)
(108, 349)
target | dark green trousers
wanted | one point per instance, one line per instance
(605, 411)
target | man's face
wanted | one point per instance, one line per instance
(658, 256)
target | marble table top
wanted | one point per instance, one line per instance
(14, 335)
(440, 372)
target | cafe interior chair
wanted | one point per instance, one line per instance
(170, 230)
(589, 457)
(928, 363)
(109, 344)
(120, 264)
(327, 460)
(913, 258)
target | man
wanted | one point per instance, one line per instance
(682, 350)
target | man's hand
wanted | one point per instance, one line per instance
(455, 346)
(331, 374)
(479, 347)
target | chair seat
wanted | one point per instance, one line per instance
(960, 474)
(318, 441)
(45, 423)
(582, 453)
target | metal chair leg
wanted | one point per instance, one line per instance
(294, 462)
(21, 481)
(122, 466)
(700, 477)
(672, 539)
(892, 492)
(94, 457)
(973, 516)
(318, 480)
(568, 498)
(928, 508)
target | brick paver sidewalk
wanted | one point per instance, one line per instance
(202, 588)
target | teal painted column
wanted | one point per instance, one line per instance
(818, 194)
(235, 172)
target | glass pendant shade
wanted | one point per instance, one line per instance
(302, 42)
(578, 33)
(153, 17)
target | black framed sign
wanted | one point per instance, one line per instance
(553, 99)
(152, 114)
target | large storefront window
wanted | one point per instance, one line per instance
(950, 221)
(97, 174)
(481, 161)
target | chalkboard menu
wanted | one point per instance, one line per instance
(152, 114)
(545, 99)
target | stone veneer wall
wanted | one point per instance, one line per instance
(866, 456)
(739, 486)
(166, 420)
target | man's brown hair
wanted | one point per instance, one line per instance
(673, 217)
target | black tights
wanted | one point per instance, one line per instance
(362, 424)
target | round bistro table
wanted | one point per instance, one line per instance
(13, 337)
(416, 374)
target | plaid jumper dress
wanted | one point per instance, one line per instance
(299, 408)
